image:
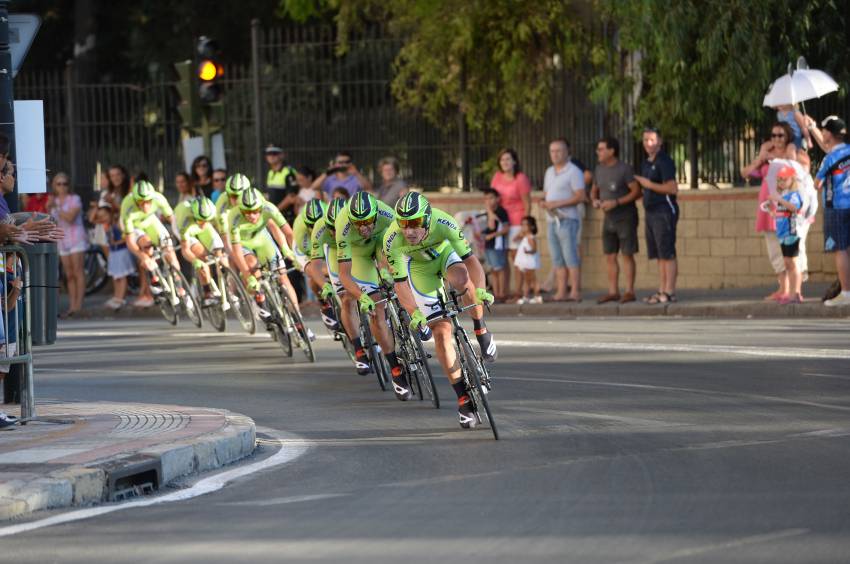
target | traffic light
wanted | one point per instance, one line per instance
(189, 106)
(209, 71)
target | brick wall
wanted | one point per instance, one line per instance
(716, 243)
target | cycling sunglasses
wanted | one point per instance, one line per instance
(411, 223)
(363, 222)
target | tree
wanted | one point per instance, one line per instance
(703, 64)
(489, 59)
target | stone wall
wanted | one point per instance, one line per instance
(717, 245)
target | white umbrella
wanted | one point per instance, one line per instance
(799, 86)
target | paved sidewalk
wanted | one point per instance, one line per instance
(733, 303)
(85, 453)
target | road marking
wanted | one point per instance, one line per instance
(284, 500)
(817, 375)
(291, 447)
(679, 389)
(744, 541)
(764, 352)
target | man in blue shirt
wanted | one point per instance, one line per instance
(658, 180)
(833, 178)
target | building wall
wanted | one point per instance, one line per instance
(717, 245)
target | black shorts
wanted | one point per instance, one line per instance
(792, 250)
(836, 230)
(620, 235)
(660, 229)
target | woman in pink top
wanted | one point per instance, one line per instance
(779, 146)
(514, 187)
(67, 208)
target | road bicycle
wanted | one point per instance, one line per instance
(409, 348)
(286, 324)
(476, 377)
(231, 295)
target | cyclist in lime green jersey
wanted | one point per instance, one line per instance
(144, 230)
(323, 257)
(302, 229)
(360, 228)
(423, 247)
(199, 240)
(257, 239)
(233, 188)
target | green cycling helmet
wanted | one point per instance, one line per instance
(314, 211)
(413, 206)
(203, 209)
(143, 190)
(333, 210)
(362, 206)
(236, 184)
(251, 200)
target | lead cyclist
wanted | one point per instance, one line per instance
(424, 247)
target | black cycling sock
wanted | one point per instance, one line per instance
(459, 388)
(479, 326)
(206, 288)
(358, 344)
(392, 358)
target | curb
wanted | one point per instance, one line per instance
(87, 485)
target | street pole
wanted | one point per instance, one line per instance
(255, 79)
(7, 99)
(206, 132)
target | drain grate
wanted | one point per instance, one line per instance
(133, 477)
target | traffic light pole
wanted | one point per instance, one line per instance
(7, 99)
(206, 133)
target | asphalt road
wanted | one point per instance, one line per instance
(626, 440)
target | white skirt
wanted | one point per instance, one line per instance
(120, 263)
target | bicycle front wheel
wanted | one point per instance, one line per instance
(303, 335)
(163, 300)
(240, 302)
(215, 312)
(474, 369)
(280, 327)
(423, 369)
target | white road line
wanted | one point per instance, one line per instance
(835, 376)
(284, 500)
(291, 447)
(764, 352)
(744, 541)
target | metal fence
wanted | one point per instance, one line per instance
(314, 103)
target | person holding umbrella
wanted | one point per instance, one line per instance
(833, 178)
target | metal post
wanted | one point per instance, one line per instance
(255, 80)
(693, 156)
(7, 107)
(25, 341)
(71, 118)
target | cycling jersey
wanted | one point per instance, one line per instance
(222, 210)
(323, 246)
(241, 229)
(183, 217)
(423, 265)
(834, 176)
(301, 233)
(360, 251)
(206, 236)
(137, 222)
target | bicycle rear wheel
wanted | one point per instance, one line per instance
(240, 301)
(188, 304)
(472, 365)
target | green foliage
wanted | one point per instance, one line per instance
(702, 62)
(492, 59)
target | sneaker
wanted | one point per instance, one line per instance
(536, 300)
(465, 415)
(361, 364)
(522, 301)
(488, 346)
(842, 299)
(7, 420)
(143, 302)
(401, 386)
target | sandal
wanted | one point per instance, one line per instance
(653, 299)
(662, 298)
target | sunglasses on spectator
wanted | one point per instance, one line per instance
(411, 223)
(219, 179)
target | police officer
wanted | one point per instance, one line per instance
(281, 185)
